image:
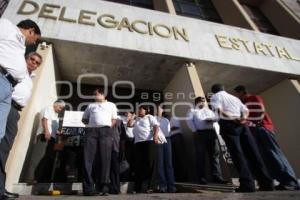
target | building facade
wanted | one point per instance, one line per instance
(162, 50)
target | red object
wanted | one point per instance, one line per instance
(257, 113)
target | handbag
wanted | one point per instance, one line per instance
(124, 165)
(160, 136)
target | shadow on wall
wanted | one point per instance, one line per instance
(27, 173)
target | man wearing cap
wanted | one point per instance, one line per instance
(262, 129)
(12, 63)
(20, 97)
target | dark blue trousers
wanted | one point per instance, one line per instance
(7, 143)
(245, 154)
(277, 164)
(164, 166)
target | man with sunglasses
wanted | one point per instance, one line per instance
(13, 40)
(20, 97)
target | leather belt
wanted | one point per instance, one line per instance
(16, 105)
(8, 76)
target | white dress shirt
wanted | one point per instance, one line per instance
(12, 50)
(100, 114)
(174, 123)
(164, 125)
(22, 91)
(53, 121)
(197, 119)
(142, 129)
(229, 104)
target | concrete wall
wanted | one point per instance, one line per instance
(283, 104)
(44, 93)
(232, 13)
(284, 16)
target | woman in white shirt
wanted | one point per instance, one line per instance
(164, 167)
(145, 131)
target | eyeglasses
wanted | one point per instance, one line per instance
(35, 60)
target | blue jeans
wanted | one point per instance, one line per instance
(165, 172)
(5, 103)
(277, 164)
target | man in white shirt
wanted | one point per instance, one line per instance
(12, 63)
(100, 116)
(20, 97)
(239, 141)
(200, 121)
(42, 157)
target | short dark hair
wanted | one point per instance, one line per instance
(145, 107)
(99, 90)
(28, 24)
(199, 99)
(217, 88)
(240, 88)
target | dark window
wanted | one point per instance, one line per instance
(201, 9)
(260, 20)
(138, 3)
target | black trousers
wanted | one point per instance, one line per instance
(43, 171)
(178, 155)
(97, 144)
(145, 155)
(245, 154)
(115, 173)
(207, 141)
(7, 142)
(129, 151)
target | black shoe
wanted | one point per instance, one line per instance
(286, 187)
(149, 191)
(219, 181)
(202, 181)
(104, 194)
(105, 190)
(133, 192)
(10, 194)
(5, 197)
(162, 190)
(172, 190)
(91, 193)
(244, 190)
(265, 188)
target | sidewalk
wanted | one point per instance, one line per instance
(277, 195)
